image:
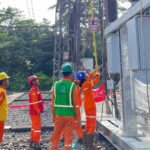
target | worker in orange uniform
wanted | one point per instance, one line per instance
(78, 129)
(3, 102)
(86, 85)
(65, 109)
(36, 109)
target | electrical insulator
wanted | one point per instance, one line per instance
(112, 11)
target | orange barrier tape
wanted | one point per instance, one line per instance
(24, 106)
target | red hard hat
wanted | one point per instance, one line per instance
(31, 78)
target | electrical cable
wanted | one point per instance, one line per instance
(145, 55)
(28, 9)
(32, 9)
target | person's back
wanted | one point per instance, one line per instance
(65, 109)
(63, 105)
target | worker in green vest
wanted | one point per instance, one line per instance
(65, 109)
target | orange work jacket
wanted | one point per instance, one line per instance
(88, 91)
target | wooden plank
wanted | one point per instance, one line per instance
(13, 97)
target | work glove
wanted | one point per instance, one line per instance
(97, 69)
(94, 72)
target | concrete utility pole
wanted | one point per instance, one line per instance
(75, 34)
(60, 48)
(78, 7)
(58, 54)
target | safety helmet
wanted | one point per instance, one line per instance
(73, 74)
(80, 75)
(3, 76)
(31, 78)
(67, 68)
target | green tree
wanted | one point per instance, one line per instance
(26, 48)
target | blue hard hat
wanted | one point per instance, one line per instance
(80, 75)
(73, 74)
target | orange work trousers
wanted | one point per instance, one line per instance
(66, 123)
(90, 120)
(1, 130)
(36, 128)
(77, 129)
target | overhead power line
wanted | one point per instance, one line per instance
(28, 9)
(32, 9)
(27, 54)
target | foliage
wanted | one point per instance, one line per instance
(45, 81)
(123, 6)
(25, 49)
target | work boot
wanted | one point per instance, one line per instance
(31, 145)
(90, 141)
(80, 141)
(37, 146)
(62, 140)
(85, 134)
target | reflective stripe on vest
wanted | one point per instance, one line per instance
(91, 116)
(85, 89)
(70, 99)
(37, 131)
(35, 103)
(53, 145)
(67, 145)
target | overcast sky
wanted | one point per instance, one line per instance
(40, 8)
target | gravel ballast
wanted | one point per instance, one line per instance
(20, 140)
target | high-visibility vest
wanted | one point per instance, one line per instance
(4, 105)
(63, 98)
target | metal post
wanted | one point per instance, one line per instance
(78, 3)
(58, 47)
(129, 122)
(60, 38)
(55, 49)
(103, 49)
